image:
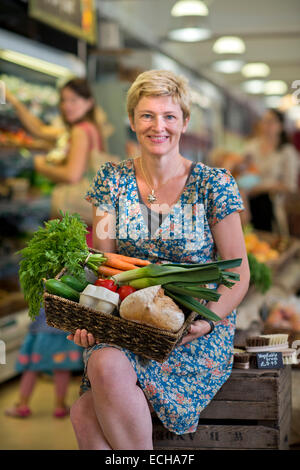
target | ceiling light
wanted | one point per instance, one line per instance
(275, 87)
(189, 34)
(189, 8)
(254, 87)
(228, 66)
(33, 63)
(256, 69)
(229, 45)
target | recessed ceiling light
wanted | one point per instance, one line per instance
(189, 34)
(228, 66)
(189, 8)
(256, 69)
(254, 87)
(229, 45)
(275, 87)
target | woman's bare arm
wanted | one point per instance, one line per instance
(76, 162)
(31, 122)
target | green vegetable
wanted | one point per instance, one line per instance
(185, 282)
(74, 282)
(60, 243)
(213, 271)
(260, 274)
(194, 291)
(198, 276)
(193, 305)
(56, 287)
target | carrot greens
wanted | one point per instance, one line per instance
(60, 243)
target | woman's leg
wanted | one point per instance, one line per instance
(120, 405)
(86, 426)
(61, 383)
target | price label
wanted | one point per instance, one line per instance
(269, 360)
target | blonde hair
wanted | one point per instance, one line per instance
(159, 83)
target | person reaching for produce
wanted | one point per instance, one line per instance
(74, 161)
(160, 207)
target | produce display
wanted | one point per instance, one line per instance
(261, 249)
(285, 314)
(260, 253)
(167, 288)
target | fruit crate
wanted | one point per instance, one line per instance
(251, 411)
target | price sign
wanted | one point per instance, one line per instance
(269, 360)
(75, 17)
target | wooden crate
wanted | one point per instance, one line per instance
(251, 411)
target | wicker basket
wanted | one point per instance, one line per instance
(147, 341)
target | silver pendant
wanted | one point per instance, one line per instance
(151, 197)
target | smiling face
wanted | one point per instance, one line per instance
(158, 123)
(73, 106)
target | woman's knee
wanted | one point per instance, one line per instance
(109, 366)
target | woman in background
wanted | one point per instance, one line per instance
(276, 166)
(76, 157)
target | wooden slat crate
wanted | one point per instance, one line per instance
(251, 411)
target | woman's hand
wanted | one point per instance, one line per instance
(39, 162)
(82, 338)
(198, 328)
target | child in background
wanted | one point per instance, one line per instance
(45, 349)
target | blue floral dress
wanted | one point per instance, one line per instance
(181, 387)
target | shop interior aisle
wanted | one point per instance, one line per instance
(43, 432)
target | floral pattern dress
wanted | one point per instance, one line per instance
(181, 387)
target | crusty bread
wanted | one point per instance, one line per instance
(152, 307)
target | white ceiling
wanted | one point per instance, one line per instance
(269, 28)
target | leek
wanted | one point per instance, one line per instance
(201, 273)
(208, 275)
(193, 305)
(194, 291)
(222, 264)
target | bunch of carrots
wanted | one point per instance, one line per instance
(115, 264)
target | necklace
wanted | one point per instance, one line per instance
(151, 196)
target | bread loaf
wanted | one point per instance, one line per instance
(152, 307)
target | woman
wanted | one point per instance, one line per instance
(119, 387)
(76, 158)
(46, 349)
(277, 168)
